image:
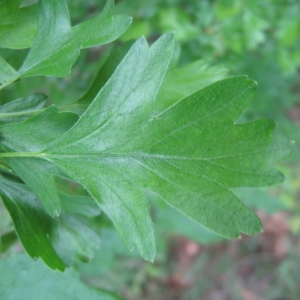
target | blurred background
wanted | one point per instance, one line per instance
(259, 38)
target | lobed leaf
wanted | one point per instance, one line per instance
(57, 44)
(191, 154)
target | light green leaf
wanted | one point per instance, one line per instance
(182, 82)
(18, 26)
(20, 109)
(35, 281)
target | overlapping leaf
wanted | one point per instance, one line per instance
(57, 241)
(33, 135)
(18, 26)
(191, 154)
(20, 109)
(57, 44)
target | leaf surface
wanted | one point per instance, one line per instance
(30, 222)
(19, 109)
(57, 44)
(57, 241)
(6, 70)
(18, 26)
(33, 135)
(44, 283)
(191, 154)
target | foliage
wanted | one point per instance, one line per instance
(149, 128)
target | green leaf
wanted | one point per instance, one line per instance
(104, 73)
(191, 154)
(59, 241)
(34, 281)
(44, 128)
(18, 26)
(20, 109)
(182, 82)
(6, 70)
(57, 44)
(30, 222)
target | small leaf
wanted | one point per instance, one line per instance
(34, 281)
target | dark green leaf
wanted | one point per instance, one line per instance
(58, 241)
(19, 277)
(31, 223)
(7, 240)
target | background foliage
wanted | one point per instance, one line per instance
(257, 38)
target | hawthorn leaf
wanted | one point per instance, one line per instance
(20, 109)
(104, 73)
(178, 83)
(38, 175)
(58, 241)
(44, 283)
(18, 26)
(31, 223)
(191, 154)
(57, 44)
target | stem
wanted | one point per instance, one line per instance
(22, 154)
(22, 113)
